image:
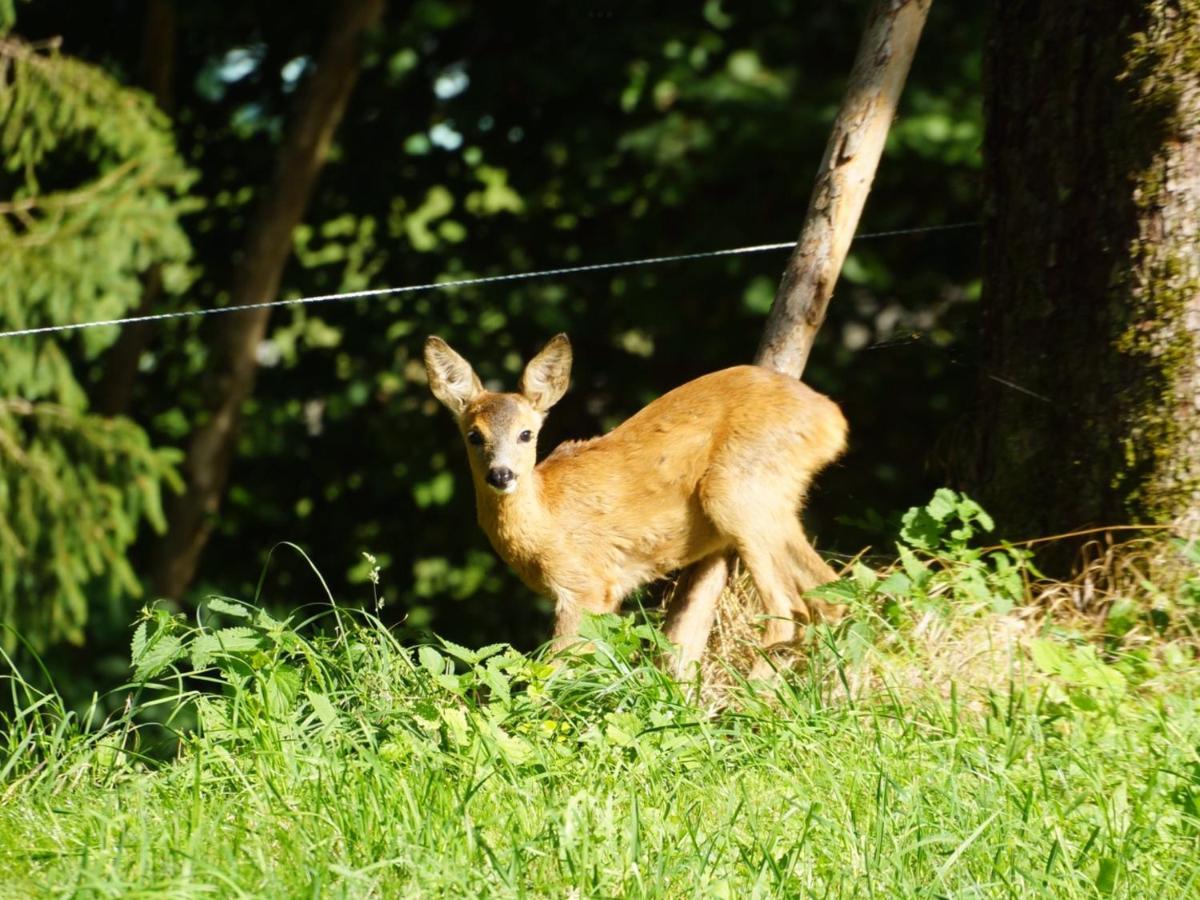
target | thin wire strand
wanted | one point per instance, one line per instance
(464, 282)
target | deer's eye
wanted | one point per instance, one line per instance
(474, 437)
(525, 437)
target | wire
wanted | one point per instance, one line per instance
(465, 282)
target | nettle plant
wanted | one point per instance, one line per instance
(940, 569)
(239, 678)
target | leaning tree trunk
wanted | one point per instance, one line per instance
(1090, 394)
(267, 248)
(843, 181)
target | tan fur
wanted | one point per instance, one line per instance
(718, 465)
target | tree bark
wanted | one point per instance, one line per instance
(319, 110)
(1090, 405)
(843, 182)
(115, 391)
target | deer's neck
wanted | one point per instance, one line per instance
(516, 523)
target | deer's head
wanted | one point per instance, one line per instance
(500, 429)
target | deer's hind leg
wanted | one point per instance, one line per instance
(761, 523)
(809, 570)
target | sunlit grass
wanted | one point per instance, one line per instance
(956, 737)
(346, 764)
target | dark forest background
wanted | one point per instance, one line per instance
(487, 138)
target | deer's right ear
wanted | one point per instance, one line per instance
(451, 377)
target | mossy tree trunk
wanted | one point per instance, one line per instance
(1090, 390)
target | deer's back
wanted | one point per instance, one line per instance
(746, 417)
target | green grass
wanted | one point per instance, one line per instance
(344, 764)
(954, 738)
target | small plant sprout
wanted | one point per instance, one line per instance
(373, 576)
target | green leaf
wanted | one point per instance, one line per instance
(495, 679)
(281, 689)
(841, 591)
(323, 708)
(1049, 656)
(896, 583)
(458, 651)
(1078, 666)
(456, 725)
(622, 728)
(513, 748)
(219, 605)
(138, 646)
(210, 645)
(1106, 875)
(160, 652)
(489, 651)
(1123, 616)
(865, 577)
(920, 529)
(916, 570)
(943, 505)
(432, 661)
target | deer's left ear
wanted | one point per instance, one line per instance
(451, 377)
(546, 377)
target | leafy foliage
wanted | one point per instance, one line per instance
(92, 190)
(939, 568)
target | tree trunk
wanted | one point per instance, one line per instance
(1090, 398)
(114, 393)
(256, 279)
(839, 194)
(843, 182)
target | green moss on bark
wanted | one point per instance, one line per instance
(1162, 68)
(1091, 266)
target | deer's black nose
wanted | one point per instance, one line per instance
(500, 477)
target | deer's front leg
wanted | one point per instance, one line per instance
(693, 609)
(567, 616)
(569, 610)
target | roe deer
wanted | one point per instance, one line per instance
(720, 464)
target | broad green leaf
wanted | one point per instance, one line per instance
(160, 652)
(1049, 656)
(489, 650)
(433, 662)
(458, 651)
(866, 577)
(281, 688)
(896, 583)
(228, 608)
(210, 645)
(456, 725)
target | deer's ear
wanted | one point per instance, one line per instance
(546, 377)
(451, 377)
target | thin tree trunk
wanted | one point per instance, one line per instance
(1090, 412)
(843, 182)
(114, 393)
(319, 110)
